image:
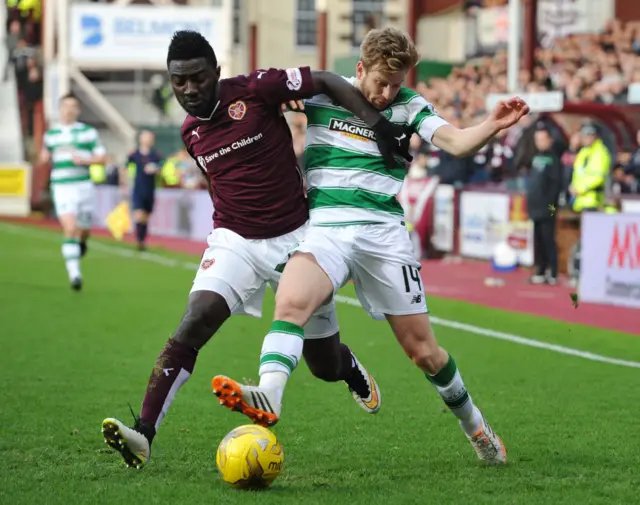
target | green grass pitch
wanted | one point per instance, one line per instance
(71, 359)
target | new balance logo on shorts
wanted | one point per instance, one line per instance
(416, 299)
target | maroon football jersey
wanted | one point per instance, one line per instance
(245, 150)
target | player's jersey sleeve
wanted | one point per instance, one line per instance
(275, 86)
(423, 118)
(97, 149)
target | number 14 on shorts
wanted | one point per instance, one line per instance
(412, 275)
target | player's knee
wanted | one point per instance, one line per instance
(415, 335)
(140, 216)
(429, 360)
(424, 352)
(293, 308)
(206, 311)
(70, 231)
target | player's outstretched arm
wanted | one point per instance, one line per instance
(466, 141)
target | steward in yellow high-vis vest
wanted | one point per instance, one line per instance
(27, 7)
(169, 173)
(590, 172)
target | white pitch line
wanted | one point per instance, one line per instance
(469, 328)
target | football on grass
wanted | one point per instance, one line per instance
(250, 457)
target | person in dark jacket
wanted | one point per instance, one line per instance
(633, 167)
(145, 164)
(543, 190)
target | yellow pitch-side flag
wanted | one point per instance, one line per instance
(119, 220)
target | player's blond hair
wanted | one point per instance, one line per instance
(388, 50)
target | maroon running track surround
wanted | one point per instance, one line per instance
(465, 280)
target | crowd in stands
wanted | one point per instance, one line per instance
(594, 68)
(588, 68)
(25, 56)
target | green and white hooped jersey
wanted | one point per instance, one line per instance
(65, 141)
(347, 179)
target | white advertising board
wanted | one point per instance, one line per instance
(137, 36)
(610, 259)
(483, 223)
(487, 219)
(443, 218)
(178, 213)
(630, 205)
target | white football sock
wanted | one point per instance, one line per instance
(449, 384)
(281, 353)
(71, 255)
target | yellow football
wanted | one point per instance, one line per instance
(250, 456)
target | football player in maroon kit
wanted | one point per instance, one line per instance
(237, 134)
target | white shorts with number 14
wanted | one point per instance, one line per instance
(379, 258)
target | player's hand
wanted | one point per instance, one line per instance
(293, 105)
(393, 139)
(506, 113)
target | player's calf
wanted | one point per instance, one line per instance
(427, 356)
(330, 360)
(141, 219)
(141, 235)
(206, 311)
(295, 303)
(84, 237)
(416, 336)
